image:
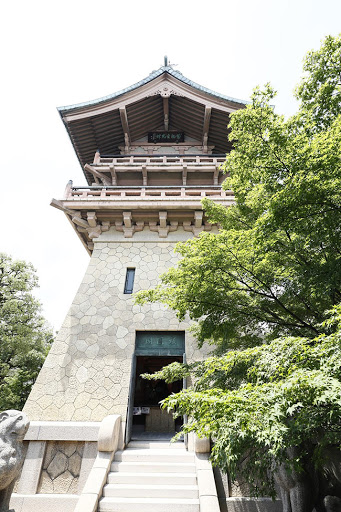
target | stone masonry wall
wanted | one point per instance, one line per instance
(86, 375)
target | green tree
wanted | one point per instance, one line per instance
(263, 284)
(274, 268)
(257, 402)
(24, 336)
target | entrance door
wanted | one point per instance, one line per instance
(153, 351)
(148, 417)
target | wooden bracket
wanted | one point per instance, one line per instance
(92, 219)
(105, 179)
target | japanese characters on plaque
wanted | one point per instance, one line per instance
(165, 137)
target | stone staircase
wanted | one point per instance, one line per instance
(151, 476)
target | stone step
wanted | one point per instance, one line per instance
(152, 445)
(150, 467)
(148, 505)
(120, 477)
(155, 455)
(150, 491)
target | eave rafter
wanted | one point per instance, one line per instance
(166, 113)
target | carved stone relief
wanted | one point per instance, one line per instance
(61, 467)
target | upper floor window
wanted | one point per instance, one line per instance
(129, 284)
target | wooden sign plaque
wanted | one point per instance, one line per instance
(166, 137)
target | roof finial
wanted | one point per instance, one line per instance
(166, 61)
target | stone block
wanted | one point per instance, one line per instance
(103, 460)
(190, 441)
(58, 465)
(97, 480)
(43, 503)
(246, 504)
(121, 444)
(63, 431)
(206, 482)
(209, 504)
(69, 449)
(87, 503)
(74, 465)
(202, 444)
(202, 461)
(30, 474)
(89, 456)
(108, 434)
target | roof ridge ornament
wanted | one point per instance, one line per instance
(165, 90)
(168, 64)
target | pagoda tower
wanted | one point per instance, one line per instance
(150, 153)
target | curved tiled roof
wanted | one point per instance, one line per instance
(144, 81)
(97, 125)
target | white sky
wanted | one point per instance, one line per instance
(60, 53)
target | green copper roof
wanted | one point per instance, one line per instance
(152, 76)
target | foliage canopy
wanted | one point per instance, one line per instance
(24, 337)
(262, 400)
(274, 268)
(263, 285)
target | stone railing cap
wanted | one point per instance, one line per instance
(63, 431)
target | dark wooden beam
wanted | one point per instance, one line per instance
(166, 113)
(125, 126)
(207, 118)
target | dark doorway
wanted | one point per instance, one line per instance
(147, 414)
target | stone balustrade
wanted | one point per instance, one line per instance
(170, 169)
(148, 192)
(156, 160)
(108, 442)
(61, 456)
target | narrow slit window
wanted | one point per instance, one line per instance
(129, 284)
